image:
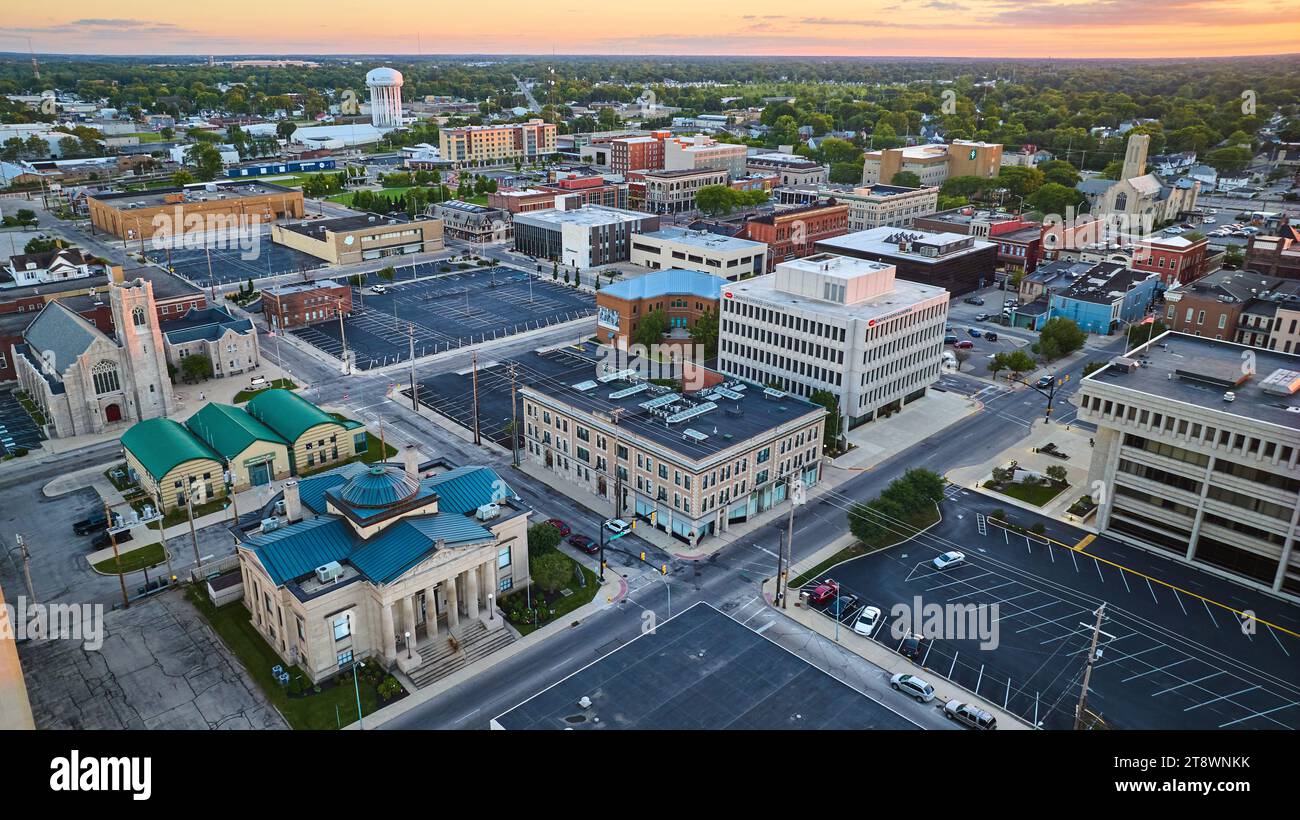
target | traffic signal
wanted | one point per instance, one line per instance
(643, 555)
(663, 570)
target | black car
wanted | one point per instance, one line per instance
(950, 339)
(1044, 382)
(102, 540)
(913, 647)
(94, 522)
(974, 300)
(990, 335)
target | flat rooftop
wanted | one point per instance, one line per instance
(885, 242)
(903, 294)
(965, 216)
(194, 193)
(1202, 371)
(303, 287)
(575, 380)
(705, 240)
(587, 216)
(701, 670)
(318, 228)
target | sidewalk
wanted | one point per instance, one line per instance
(885, 438)
(872, 651)
(611, 593)
(1073, 441)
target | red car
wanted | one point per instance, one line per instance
(585, 544)
(964, 344)
(559, 525)
(824, 592)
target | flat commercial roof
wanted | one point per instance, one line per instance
(318, 228)
(904, 293)
(588, 216)
(199, 193)
(1202, 371)
(705, 240)
(878, 241)
(701, 670)
(728, 424)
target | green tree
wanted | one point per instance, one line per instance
(846, 173)
(284, 129)
(206, 160)
(195, 367)
(1138, 334)
(1059, 337)
(542, 538)
(906, 179)
(1053, 198)
(1018, 361)
(182, 178)
(43, 244)
(1020, 180)
(1056, 473)
(831, 434)
(650, 330)
(716, 199)
(965, 186)
(704, 332)
(1060, 172)
(551, 571)
(388, 273)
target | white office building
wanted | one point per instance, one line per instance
(835, 323)
(1196, 454)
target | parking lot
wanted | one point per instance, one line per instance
(452, 394)
(1176, 652)
(228, 265)
(447, 312)
(18, 431)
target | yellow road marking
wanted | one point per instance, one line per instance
(1144, 576)
(1087, 539)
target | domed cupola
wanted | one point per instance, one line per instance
(378, 487)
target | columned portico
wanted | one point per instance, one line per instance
(408, 619)
(389, 638)
(471, 593)
(449, 595)
(431, 613)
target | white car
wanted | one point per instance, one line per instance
(1209, 220)
(912, 685)
(379, 289)
(617, 526)
(949, 559)
(867, 620)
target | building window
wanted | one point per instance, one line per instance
(105, 378)
(345, 658)
(503, 557)
(342, 627)
(137, 317)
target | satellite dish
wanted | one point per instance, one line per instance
(349, 239)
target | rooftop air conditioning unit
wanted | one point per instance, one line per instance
(329, 572)
(270, 524)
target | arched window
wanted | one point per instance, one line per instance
(104, 375)
(137, 316)
(1121, 202)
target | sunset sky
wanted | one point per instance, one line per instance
(959, 28)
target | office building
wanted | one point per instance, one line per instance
(834, 323)
(700, 153)
(793, 233)
(1197, 456)
(475, 145)
(933, 164)
(1019, 240)
(682, 295)
(725, 256)
(671, 192)
(349, 239)
(305, 303)
(790, 169)
(958, 263)
(584, 237)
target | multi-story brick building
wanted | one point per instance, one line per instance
(683, 296)
(1276, 255)
(1019, 240)
(1235, 306)
(794, 233)
(671, 192)
(643, 153)
(166, 212)
(475, 145)
(289, 306)
(933, 164)
(1176, 259)
(791, 169)
(704, 153)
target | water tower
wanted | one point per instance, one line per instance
(385, 86)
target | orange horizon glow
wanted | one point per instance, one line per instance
(831, 28)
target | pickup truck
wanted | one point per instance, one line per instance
(94, 522)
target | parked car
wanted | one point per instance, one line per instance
(964, 345)
(380, 289)
(617, 526)
(981, 317)
(824, 591)
(560, 525)
(94, 522)
(585, 544)
(974, 331)
(867, 620)
(913, 647)
(841, 604)
(1044, 382)
(912, 685)
(990, 335)
(1209, 220)
(102, 541)
(950, 558)
(950, 339)
(968, 715)
(974, 300)
(258, 383)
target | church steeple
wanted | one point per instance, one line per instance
(1135, 156)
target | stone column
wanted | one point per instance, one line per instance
(449, 595)
(492, 585)
(386, 637)
(485, 586)
(408, 618)
(471, 593)
(431, 613)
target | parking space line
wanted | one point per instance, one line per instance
(951, 668)
(1180, 602)
(1221, 697)
(1279, 642)
(1211, 614)
(1259, 714)
(1158, 645)
(1214, 674)
(1076, 613)
(979, 680)
(1153, 591)
(1099, 575)
(1075, 560)
(1157, 669)
(1007, 698)
(1122, 577)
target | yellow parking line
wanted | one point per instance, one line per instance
(1089, 538)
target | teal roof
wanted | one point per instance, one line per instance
(160, 445)
(378, 486)
(229, 430)
(298, 549)
(671, 282)
(312, 488)
(465, 489)
(287, 413)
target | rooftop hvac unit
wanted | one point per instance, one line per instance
(329, 572)
(270, 524)
(279, 507)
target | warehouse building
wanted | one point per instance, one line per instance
(165, 212)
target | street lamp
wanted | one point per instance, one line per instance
(491, 607)
(357, 687)
(408, 645)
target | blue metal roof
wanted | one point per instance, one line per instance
(378, 486)
(312, 488)
(671, 282)
(465, 489)
(298, 549)
(388, 555)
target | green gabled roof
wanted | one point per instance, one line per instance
(160, 445)
(229, 430)
(287, 413)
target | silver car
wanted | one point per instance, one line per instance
(912, 685)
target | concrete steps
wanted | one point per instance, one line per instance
(438, 659)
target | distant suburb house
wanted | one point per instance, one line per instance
(164, 459)
(376, 553)
(315, 438)
(253, 453)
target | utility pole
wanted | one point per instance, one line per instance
(162, 537)
(476, 436)
(795, 492)
(27, 569)
(410, 333)
(1087, 671)
(780, 574)
(343, 336)
(514, 416)
(194, 538)
(117, 556)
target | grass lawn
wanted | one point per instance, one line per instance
(334, 706)
(562, 605)
(244, 395)
(346, 197)
(137, 559)
(146, 136)
(918, 521)
(1036, 494)
(179, 514)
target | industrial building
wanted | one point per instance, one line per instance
(348, 239)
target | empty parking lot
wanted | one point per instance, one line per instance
(1179, 648)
